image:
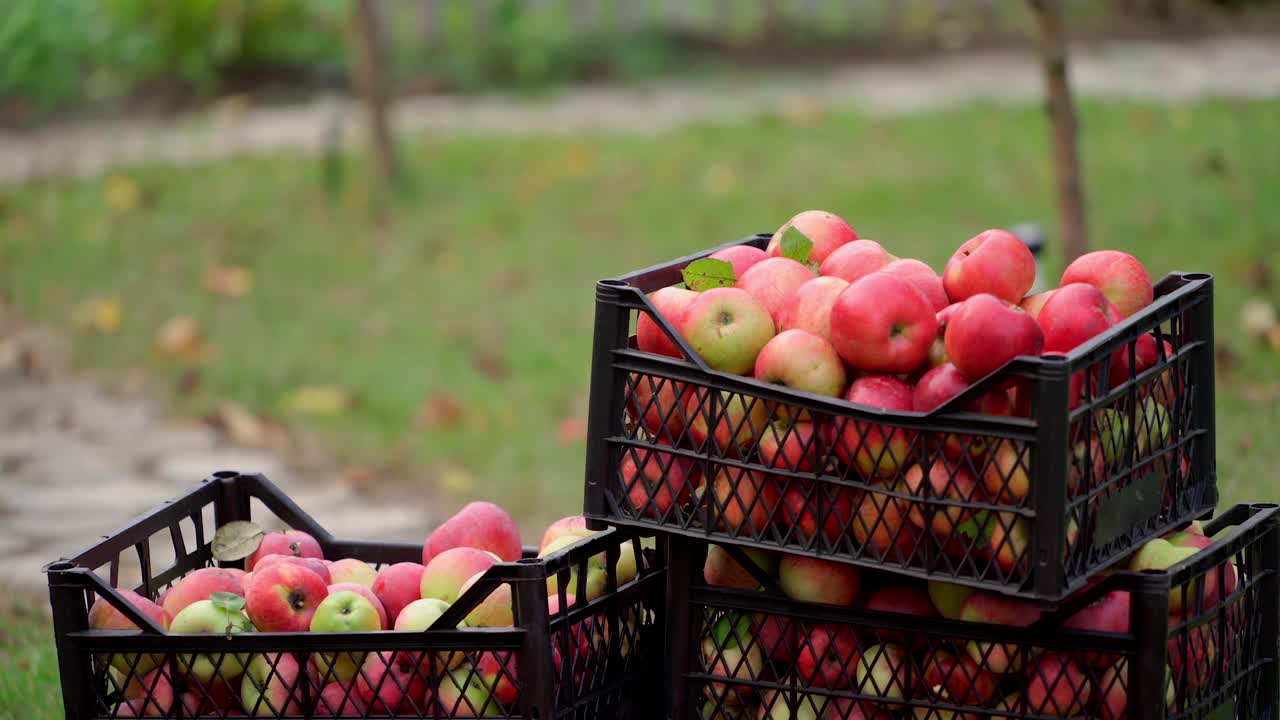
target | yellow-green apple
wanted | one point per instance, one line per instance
(1001, 610)
(1110, 614)
(497, 671)
(958, 678)
(1073, 315)
(343, 611)
(206, 617)
(1153, 430)
(721, 570)
(741, 257)
(1110, 692)
(494, 610)
(744, 501)
(875, 449)
(295, 543)
(946, 481)
(775, 705)
(655, 480)
(104, 616)
(923, 278)
(444, 575)
(994, 262)
(1009, 539)
(671, 302)
(351, 570)
(480, 525)
(270, 686)
(821, 581)
(1058, 687)
(392, 683)
(367, 594)
(1120, 276)
(827, 231)
(149, 695)
(1160, 554)
(803, 361)
(809, 307)
(200, 585)
(791, 445)
(658, 404)
(727, 327)
(853, 261)
(986, 332)
(339, 699)
(282, 598)
(805, 506)
(881, 525)
(420, 615)
(731, 651)
(949, 598)
(739, 421)
(398, 585)
(1032, 304)
(883, 324)
(597, 569)
(1007, 473)
(771, 282)
(315, 565)
(463, 693)
(884, 671)
(575, 525)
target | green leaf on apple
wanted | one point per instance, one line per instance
(709, 273)
(980, 526)
(236, 540)
(796, 246)
(227, 602)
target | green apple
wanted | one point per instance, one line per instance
(1153, 426)
(420, 615)
(948, 598)
(597, 577)
(463, 694)
(209, 617)
(341, 612)
(730, 651)
(268, 686)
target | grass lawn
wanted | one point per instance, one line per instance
(28, 665)
(477, 289)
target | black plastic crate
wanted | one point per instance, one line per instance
(589, 661)
(1114, 444)
(734, 651)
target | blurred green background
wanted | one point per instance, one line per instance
(439, 334)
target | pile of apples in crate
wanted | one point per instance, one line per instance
(822, 311)
(897, 666)
(289, 586)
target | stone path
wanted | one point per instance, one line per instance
(1226, 66)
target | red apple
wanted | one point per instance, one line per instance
(391, 683)
(882, 527)
(1058, 687)
(199, 585)
(721, 570)
(803, 361)
(728, 327)
(1032, 304)
(809, 307)
(827, 656)
(397, 586)
(739, 421)
(827, 231)
(993, 262)
(942, 481)
(288, 542)
(804, 505)
(658, 404)
(881, 323)
(791, 445)
(945, 382)
(671, 302)
(999, 609)
(884, 671)
(655, 480)
(338, 699)
(963, 681)
(1007, 473)
(351, 570)
(923, 278)
(1121, 278)
(772, 281)
(282, 598)
(985, 332)
(741, 257)
(902, 599)
(744, 501)
(856, 260)
(878, 450)
(1009, 542)
(575, 525)
(480, 525)
(1109, 613)
(442, 578)
(315, 565)
(819, 581)
(1074, 314)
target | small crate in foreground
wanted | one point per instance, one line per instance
(583, 660)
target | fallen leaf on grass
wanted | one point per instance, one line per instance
(440, 411)
(577, 160)
(228, 281)
(802, 112)
(98, 314)
(121, 193)
(1259, 322)
(491, 364)
(317, 400)
(180, 338)
(571, 430)
(242, 427)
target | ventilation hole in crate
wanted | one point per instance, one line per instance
(163, 557)
(267, 520)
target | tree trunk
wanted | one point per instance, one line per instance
(368, 73)
(1062, 120)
